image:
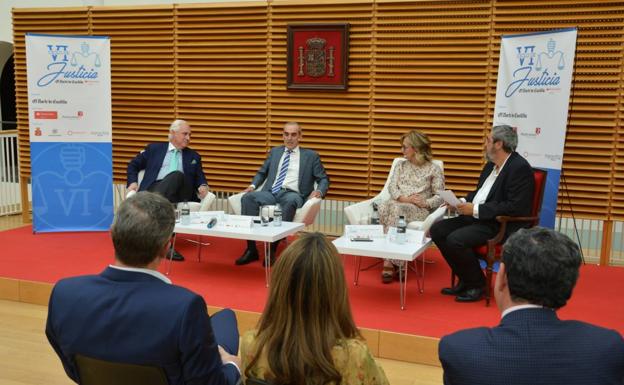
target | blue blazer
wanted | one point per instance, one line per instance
(310, 170)
(136, 318)
(533, 347)
(151, 160)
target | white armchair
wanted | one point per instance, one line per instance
(360, 213)
(305, 214)
(204, 205)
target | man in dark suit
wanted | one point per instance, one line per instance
(289, 174)
(131, 313)
(171, 169)
(532, 346)
(505, 188)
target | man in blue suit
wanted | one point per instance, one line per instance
(171, 169)
(289, 174)
(532, 346)
(131, 313)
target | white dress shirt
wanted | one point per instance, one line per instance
(484, 191)
(151, 272)
(291, 181)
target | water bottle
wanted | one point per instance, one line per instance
(375, 216)
(185, 214)
(401, 236)
(277, 215)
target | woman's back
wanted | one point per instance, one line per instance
(351, 358)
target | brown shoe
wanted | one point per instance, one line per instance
(387, 274)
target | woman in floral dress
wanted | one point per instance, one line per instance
(413, 187)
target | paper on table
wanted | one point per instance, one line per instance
(449, 197)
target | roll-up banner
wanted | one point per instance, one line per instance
(69, 107)
(532, 95)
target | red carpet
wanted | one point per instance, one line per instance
(48, 257)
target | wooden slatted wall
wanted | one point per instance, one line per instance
(143, 86)
(429, 65)
(222, 87)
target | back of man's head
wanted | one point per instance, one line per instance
(542, 266)
(142, 227)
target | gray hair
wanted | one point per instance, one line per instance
(175, 126)
(143, 225)
(293, 124)
(507, 135)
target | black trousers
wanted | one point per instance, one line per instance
(174, 187)
(455, 237)
(289, 201)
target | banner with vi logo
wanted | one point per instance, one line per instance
(69, 107)
(532, 95)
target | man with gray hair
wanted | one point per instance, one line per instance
(531, 345)
(171, 169)
(505, 187)
(131, 313)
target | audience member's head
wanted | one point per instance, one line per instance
(180, 134)
(421, 144)
(540, 266)
(142, 229)
(306, 315)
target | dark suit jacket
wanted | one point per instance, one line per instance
(533, 347)
(134, 317)
(511, 194)
(310, 170)
(151, 160)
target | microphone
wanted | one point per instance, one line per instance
(212, 223)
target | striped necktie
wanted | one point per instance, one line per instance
(173, 161)
(282, 173)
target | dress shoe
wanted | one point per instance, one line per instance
(387, 274)
(247, 257)
(455, 290)
(177, 256)
(470, 295)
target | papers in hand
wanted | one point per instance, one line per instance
(449, 197)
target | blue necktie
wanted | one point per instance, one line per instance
(282, 173)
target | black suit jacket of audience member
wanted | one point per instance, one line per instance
(511, 194)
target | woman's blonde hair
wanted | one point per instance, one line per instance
(419, 142)
(306, 315)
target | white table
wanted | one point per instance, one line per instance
(385, 249)
(266, 234)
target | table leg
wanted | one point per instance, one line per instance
(358, 262)
(403, 266)
(267, 262)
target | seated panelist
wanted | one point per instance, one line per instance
(171, 169)
(413, 188)
(288, 174)
(505, 187)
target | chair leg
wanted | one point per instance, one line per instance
(488, 285)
